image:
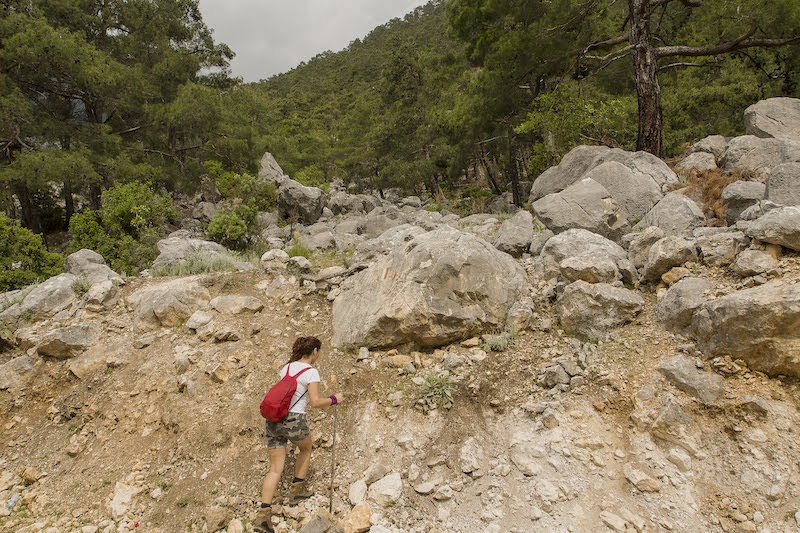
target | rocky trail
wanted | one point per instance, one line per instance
(503, 372)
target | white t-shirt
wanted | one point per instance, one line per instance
(300, 398)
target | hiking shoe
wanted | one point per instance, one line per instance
(298, 491)
(263, 521)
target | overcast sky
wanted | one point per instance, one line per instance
(273, 36)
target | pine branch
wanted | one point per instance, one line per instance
(740, 43)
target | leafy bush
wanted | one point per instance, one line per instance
(125, 230)
(23, 257)
(436, 391)
(228, 229)
(312, 176)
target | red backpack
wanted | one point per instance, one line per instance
(276, 403)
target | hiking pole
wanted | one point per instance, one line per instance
(333, 458)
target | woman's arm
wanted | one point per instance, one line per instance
(315, 400)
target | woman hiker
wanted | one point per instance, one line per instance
(294, 427)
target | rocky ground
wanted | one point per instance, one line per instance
(162, 433)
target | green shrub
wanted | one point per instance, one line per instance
(81, 286)
(125, 230)
(24, 260)
(436, 391)
(499, 342)
(312, 176)
(229, 230)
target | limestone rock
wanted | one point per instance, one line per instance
(15, 373)
(343, 203)
(357, 492)
(591, 310)
(682, 372)
(674, 214)
(585, 204)
(44, 300)
(179, 247)
(779, 226)
(783, 184)
(721, 249)
(758, 325)
(740, 195)
(640, 479)
(580, 254)
(442, 286)
(169, 303)
(234, 304)
(713, 144)
(696, 162)
(635, 193)
(91, 266)
(387, 490)
(640, 244)
(393, 238)
(669, 252)
(270, 171)
(757, 157)
(101, 296)
(471, 456)
(676, 309)
(753, 262)
(217, 517)
(774, 117)
(69, 341)
(515, 234)
(568, 171)
(358, 520)
(123, 494)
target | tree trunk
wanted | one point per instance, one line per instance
(69, 202)
(28, 209)
(513, 174)
(645, 69)
(489, 174)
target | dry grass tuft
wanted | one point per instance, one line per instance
(706, 188)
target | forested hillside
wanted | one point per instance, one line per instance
(108, 109)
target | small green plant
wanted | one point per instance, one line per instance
(73, 427)
(499, 342)
(229, 230)
(298, 248)
(81, 286)
(183, 502)
(437, 391)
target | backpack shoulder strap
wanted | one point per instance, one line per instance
(298, 374)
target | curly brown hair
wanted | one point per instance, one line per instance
(303, 346)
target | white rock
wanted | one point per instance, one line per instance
(123, 494)
(471, 456)
(387, 490)
(357, 492)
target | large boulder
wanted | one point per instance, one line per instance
(592, 310)
(636, 193)
(585, 204)
(720, 249)
(299, 203)
(758, 325)
(270, 171)
(44, 300)
(344, 203)
(179, 247)
(640, 244)
(582, 159)
(682, 372)
(441, 286)
(515, 234)
(779, 226)
(676, 308)
(696, 162)
(774, 117)
(391, 239)
(383, 218)
(568, 171)
(674, 214)
(713, 144)
(740, 195)
(91, 266)
(756, 157)
(16, 373)
(783, 184)
(604, 260)
(667, 253)
(753, 262)
(169, 303)
(69, 341)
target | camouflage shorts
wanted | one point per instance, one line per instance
(292, 428)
